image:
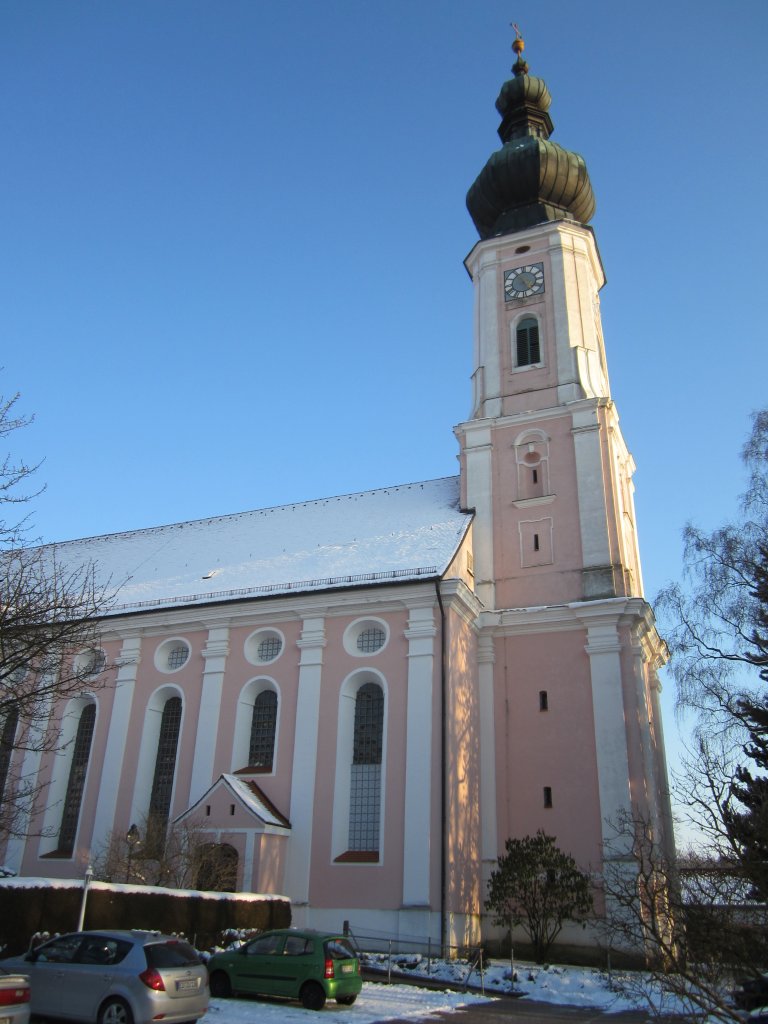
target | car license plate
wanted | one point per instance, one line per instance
(187, 985)
(347, 968)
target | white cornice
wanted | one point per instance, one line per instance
(583, 405)
(617, 611)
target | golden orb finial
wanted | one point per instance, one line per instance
(519, 44)
(520, 67)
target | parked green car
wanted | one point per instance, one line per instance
(300, 964)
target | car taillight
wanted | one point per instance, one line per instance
(153, 979)
(14, 996)
(329, 969)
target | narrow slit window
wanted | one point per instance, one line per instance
(543, 700)
(547, 796)
(535, 542)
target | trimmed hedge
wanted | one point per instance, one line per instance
(29, 906)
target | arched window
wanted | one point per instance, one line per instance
(165, 770)
(261, 750)
(7, 736)
(81, 752)
(365, 782)
(527, 341)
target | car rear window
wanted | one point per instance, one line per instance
(170, 954)
(339, 949)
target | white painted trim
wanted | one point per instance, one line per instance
(150, 735)
(344, 751)
(244, 721)
(417, 859)
(604, 649)
(117, 736)
(215, 654)
(304, 772)
(56, 792)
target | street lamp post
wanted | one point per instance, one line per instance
(86, 883)
(133, 839)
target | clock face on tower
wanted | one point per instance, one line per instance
(522, 282)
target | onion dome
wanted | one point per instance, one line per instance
(530, 179)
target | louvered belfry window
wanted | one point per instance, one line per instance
(365, 789)
(528, 348)
(262, 746)
(81, 753)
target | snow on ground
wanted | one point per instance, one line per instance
(572, 986)
(375, 1003)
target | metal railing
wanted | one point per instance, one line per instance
(393, 953)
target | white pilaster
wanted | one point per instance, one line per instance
(591, 482)
(299, 857)
(604, 650)
(420, 634)
(645, 713)
(478, 450)
(114, 753)
(487, 352)
(249, 882)
(486, 656)
(215, 654)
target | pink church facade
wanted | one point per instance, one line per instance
(362, 697)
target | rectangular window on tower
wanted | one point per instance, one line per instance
(536, 542)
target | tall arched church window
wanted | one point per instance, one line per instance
(365, 787)
(81, 752)
(261, 751)
(165, 770)
(527, 342)
(7, 737)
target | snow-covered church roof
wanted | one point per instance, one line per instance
(407, 532)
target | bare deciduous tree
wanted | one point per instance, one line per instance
(49, 613)
(189, 859)
(703, 923)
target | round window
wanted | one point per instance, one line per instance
(264, 646)
(90, 663)
(172, 655)
(365, 637)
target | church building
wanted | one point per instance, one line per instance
(358, 699)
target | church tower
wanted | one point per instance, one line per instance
(568, 652)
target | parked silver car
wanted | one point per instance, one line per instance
(115, 977)
(14, 998)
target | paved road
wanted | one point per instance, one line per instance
(525, 1011)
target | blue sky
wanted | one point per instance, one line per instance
(232, 233)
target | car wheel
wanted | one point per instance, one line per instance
(312, 996)
(221, 987)
(346, 1000)
(115, 1011)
